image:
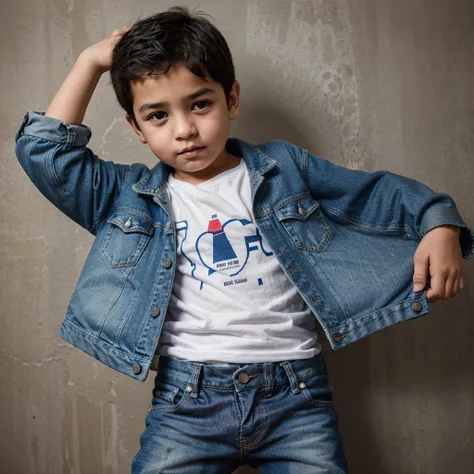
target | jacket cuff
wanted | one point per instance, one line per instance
(37, 125)
(442, 215)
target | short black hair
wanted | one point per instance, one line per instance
(155, 43)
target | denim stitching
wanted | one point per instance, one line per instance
(262, 427)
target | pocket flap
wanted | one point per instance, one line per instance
(300, 209)
(131, 223)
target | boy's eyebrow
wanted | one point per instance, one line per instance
(194, 95)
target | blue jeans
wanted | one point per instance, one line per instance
(277, 417)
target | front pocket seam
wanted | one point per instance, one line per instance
(321, 403)
(184, 398)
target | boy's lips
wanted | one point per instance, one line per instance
(192, 152)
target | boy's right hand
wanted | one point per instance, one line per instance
(101, 53)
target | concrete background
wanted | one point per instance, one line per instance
(371, 84)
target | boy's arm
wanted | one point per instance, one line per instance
(72, 98)
(51, 146)
(381, 200)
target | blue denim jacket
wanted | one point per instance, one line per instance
(345, 238)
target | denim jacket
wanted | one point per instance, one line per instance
(345, 238)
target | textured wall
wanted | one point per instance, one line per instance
(371, 84)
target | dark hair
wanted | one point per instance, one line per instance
(155, 43)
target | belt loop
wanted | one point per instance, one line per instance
(194, 380)
(291, 376)
(268, 376)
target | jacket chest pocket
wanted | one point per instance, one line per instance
(125, 239)
(305, 223)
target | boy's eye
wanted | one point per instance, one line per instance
(156, 116)
(205, 102)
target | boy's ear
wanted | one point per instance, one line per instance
(135, 128)
(234, 97)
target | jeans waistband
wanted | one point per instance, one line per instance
(238, 377)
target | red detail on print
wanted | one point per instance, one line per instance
(214, 225)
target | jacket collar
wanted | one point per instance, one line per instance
(257, 161)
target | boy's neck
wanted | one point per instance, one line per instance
(223, 163)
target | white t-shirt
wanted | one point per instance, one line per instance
(231, 301)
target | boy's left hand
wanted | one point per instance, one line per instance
(440, 253)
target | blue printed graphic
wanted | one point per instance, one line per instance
(216, 251)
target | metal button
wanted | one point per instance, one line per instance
(416, 307)
(244, 377)
(301, 210)
(155, 312)
(189, 388)
(128, 223)
(338, 337)
(167, 263)
(137, 368)
(302, 385)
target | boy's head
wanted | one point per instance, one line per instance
(156, 65)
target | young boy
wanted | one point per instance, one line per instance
(217, 263)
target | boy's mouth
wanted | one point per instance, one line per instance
(192, 151)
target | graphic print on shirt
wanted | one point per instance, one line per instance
(223, 249)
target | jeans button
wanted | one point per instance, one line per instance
(167, 263)
(244, 377)
(416, 307)
(155, 312)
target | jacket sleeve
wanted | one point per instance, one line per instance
(381, 200)
(54, 155)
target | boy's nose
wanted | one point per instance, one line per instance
(185, 129)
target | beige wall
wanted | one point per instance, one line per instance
(371, 84)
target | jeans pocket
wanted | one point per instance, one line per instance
(168, 396)
(318, 391)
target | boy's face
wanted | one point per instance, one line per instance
(169, 121)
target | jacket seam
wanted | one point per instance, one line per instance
(110, 346)
(291, 199)
(304, 166)
(99, 221)
(370, 227)
(337, 212)
(58, 142)
(54, 174)
(360, 319)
